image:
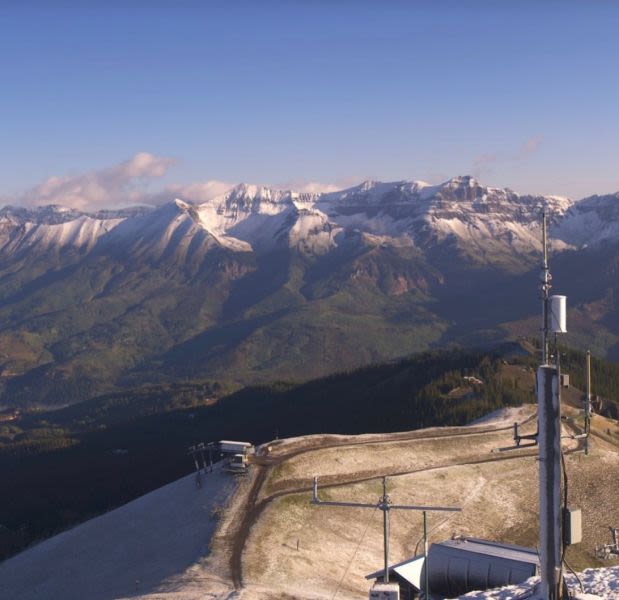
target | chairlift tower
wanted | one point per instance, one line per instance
(588, 403)
(385, 505)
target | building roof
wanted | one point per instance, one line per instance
(410, 570)
(246, 444)
(496, 549)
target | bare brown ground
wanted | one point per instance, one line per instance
(304, 551)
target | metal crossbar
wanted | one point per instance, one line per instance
(384, 504)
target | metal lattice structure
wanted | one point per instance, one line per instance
(385, 505)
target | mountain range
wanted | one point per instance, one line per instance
(259, 284)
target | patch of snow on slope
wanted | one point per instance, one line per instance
(313, 232)
(82, 232)
(506, 416)
(598, 584)
(591, 221)
(246, 215)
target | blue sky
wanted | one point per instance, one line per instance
(520, 94)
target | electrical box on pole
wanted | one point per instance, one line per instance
(572, 526)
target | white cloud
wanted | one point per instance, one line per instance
(129, 183)
(313, 187)
(114, 186)
(196, 192)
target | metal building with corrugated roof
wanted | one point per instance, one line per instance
(463, 565)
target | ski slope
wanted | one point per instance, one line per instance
(139, 549)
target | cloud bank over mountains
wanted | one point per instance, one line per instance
(113, 186)
(130, 183)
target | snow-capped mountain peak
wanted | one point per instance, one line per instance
(248, 217)
(182, 204)
(461, 181)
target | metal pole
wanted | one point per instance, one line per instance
(426, 567)
(549, 416)
(545, 279)
(384, 503)
(588, 403)
(385, 508)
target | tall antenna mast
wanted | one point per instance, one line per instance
(546, 277)
(588, 403)
(549, 437)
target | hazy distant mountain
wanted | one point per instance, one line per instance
(261, 283)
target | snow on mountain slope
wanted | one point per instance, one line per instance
(82, 233)
(139, 548)
(460, 208)
(484, 222)
(591, 221)
(313, 232)
(406, 212)
(251, 218)
(172, 231)
(54, 227)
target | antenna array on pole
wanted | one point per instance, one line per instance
(549, 437)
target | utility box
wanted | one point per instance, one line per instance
(572, 526)
(565, 380)
(385, 591)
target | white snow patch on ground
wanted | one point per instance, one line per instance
(598, 584)
(506, 416)
(138, 549)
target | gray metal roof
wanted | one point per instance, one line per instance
(486, 547)
(499, 550)
(488, 564)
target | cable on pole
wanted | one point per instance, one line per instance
(367, 525)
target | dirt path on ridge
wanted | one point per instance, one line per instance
(263, 465)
